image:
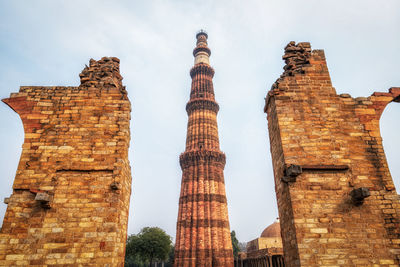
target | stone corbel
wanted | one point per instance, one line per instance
(42, 197)
(358, 195)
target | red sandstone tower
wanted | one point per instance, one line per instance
(203, 235)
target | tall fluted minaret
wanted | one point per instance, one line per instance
(203, 233)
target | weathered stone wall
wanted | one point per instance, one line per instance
(336, 140)
(71, 193)
(264, 242)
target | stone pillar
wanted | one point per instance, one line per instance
(71, 193)
(336, 198)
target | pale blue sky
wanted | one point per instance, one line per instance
(49, 42)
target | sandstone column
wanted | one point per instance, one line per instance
(203, 233)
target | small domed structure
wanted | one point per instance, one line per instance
(270, 239)
(274, 230)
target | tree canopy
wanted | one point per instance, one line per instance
(235, 244)
(149, 245)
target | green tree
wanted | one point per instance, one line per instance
(151, 244)
(132, 257)
(235, 244)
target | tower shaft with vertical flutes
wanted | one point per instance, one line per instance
(203, 233)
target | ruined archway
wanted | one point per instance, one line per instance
(332, 181)
(71, 191)
(390, 140)
(11, 145)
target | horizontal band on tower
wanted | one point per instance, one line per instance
(203, 197)
(201, 49)
(196, 223)
(202, 68)
(194, 157)
(206, 177)
(203, 253)
(201, 104)
(202, 120)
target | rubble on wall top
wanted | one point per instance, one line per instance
(104, 72)
(296, 57)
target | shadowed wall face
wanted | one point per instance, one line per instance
(336, 198)
(71, 193)
(203, 233)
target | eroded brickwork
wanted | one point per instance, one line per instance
(336, 141)
(203, 234)
(71, 193)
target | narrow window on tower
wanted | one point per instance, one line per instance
(201, 144)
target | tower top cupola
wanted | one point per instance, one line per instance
(201, 52)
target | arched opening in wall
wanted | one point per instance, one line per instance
(390, 128)
(11, 139)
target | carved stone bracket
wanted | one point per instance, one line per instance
(43, 198)
(115, 186)
(291, 172)
(359, 194)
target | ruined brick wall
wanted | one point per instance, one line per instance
(336, 140)
(71, 193)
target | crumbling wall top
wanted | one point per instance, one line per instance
(300, 59)
(296, 57)
(103, 73)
